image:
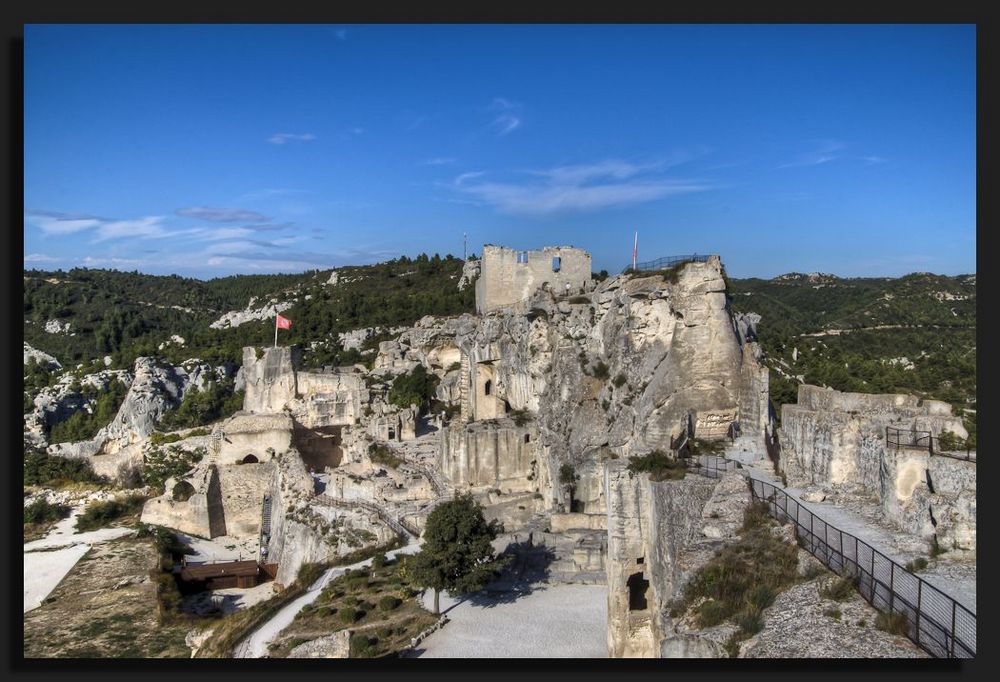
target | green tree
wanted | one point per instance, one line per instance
(457, 553)
(568, 478)
(414, 388)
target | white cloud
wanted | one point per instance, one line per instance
(439, 161)
(222, 215)
(578, 188)
(54, 222)
(150, 226)
(40, 258)
(282, 138)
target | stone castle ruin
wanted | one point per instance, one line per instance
(508, 277)
(556, 373)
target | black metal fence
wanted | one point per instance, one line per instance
(712, 466)
(665, 263)
(934, 621)
(925, 440)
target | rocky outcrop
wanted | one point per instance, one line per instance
(57, 327)
(337, 645)
(470, 272)
(40, 357)
(237, 317)
(624, 368)
(658, 535)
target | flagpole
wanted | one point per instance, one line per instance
(275, 331)
(635, 248)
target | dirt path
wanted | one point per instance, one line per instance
(255, 646)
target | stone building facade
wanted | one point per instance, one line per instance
(508, 276)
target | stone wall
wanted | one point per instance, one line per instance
(839, 439)
(491, 454)
(503, 281)
(259, 435)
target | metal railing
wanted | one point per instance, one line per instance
(934, 621)
(924, 440)
(712, 466)
(665, 263)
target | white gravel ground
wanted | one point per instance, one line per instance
(553, 621)
(47, 561)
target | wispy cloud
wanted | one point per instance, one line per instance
(150, 226)
(40, 258)
(507, 116)
(439, 161)
(55, 222)
(222, 215)
(873, 160)
(581, 187)
(825, 152)
(340, 33)
(282, 138)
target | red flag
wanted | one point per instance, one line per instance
(284, 322)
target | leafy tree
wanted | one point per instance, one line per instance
(457, 553)
(415, 388)
(44, 469)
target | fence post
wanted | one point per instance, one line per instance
(954, 606)
(892, 583)
(920, 585)
(812, 536)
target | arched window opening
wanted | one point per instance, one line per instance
(488, 387)
(250, 459)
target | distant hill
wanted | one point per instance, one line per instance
(125, 315)
(913, 334)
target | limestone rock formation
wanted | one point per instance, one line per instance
(237, 317)
(41, 358)
(842, 440)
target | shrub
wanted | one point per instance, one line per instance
(936, 549)
(659, 466)
(41, 511)
(388, 603)
(348, 614)
(744, 577)
(601, 370)
(579, 299)
(362, 646)
(43, 469)
(520, 417)
(711, 612)
(379, 560)
(917, 564)
(384, 455)
(841, 589)
(893, 623)
(833, 613)
(101, 514)
(620, 380)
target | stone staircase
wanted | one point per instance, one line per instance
(382, 514)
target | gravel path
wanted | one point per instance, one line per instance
(552, 621)
(47, 561)
(255, 646)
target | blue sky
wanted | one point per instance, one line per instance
(212, 150)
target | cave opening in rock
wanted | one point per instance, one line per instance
(250, 459)
(637, 587)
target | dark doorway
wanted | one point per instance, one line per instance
(637, 587)
(488, 388)
(250, 459)
(182, 492)
(320, 447)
